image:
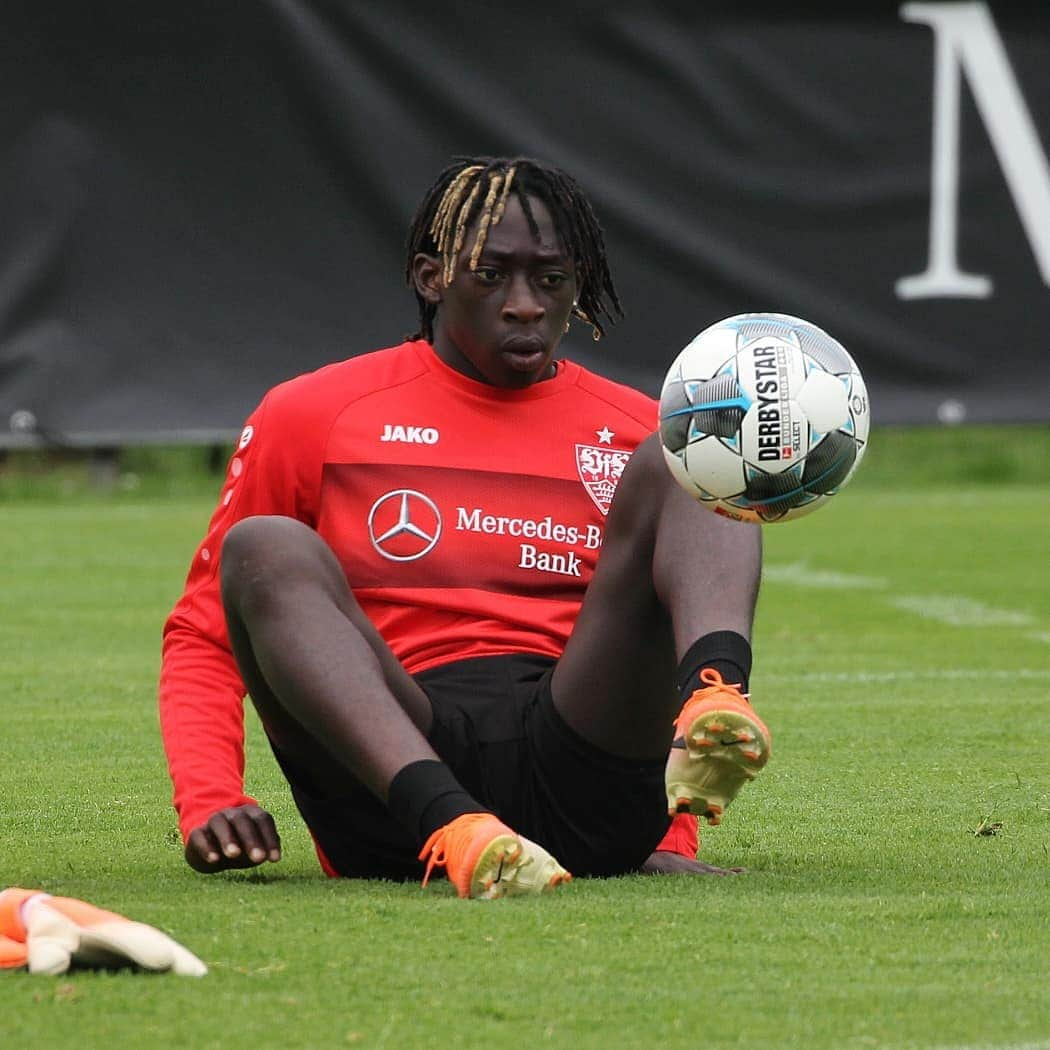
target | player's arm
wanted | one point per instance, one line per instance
(201, 691)
(665, 862)
(237, 837)
(676, 853)
(202, 724)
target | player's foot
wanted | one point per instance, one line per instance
(720, 744)
(484, 858)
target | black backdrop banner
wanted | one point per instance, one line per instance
(200, 200)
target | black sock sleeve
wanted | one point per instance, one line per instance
(726, 652)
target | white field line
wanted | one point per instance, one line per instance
(800, 574)
(961, 674)
(993, 1046)
(955, 610)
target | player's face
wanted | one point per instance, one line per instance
(502, 321)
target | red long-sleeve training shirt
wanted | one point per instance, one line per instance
(467, 518)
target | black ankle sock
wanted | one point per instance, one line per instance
(726, 652)
(425, 796)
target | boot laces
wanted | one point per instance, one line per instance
(710, 677)
(450, 841)
(715, 683)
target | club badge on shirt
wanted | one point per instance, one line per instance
(600, 468)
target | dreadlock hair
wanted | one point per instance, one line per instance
(477, 189)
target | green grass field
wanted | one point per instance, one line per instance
(902, 660)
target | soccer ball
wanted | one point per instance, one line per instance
(763, 417)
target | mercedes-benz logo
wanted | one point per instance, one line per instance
(404, 525)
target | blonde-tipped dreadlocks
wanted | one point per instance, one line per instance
(476, 189)
(449, 225)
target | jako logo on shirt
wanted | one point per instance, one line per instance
(410, 435)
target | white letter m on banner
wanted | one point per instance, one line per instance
(966, 39)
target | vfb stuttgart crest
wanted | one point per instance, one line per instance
(600, 469)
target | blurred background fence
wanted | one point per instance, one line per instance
(201, 199)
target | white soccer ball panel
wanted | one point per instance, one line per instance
(681, 475)
(678, 471)
(707, 353)
(859, 410)
(713, 468)
(825, 400)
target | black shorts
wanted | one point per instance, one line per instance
(495, 725)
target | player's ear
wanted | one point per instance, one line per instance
(427, 275)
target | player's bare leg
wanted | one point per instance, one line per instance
(326, 686)
(670, 573)
(334, 698)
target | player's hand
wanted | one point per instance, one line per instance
(664, 862)
(51, 935)
(237, 837)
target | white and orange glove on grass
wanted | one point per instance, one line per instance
(51, 935)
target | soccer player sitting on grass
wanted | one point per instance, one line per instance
(467, 598)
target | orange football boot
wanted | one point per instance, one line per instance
(484, 858)
(720, 744)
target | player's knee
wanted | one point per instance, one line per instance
(646, 481)
(649, 457)
(257, 538)
(262, 555)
